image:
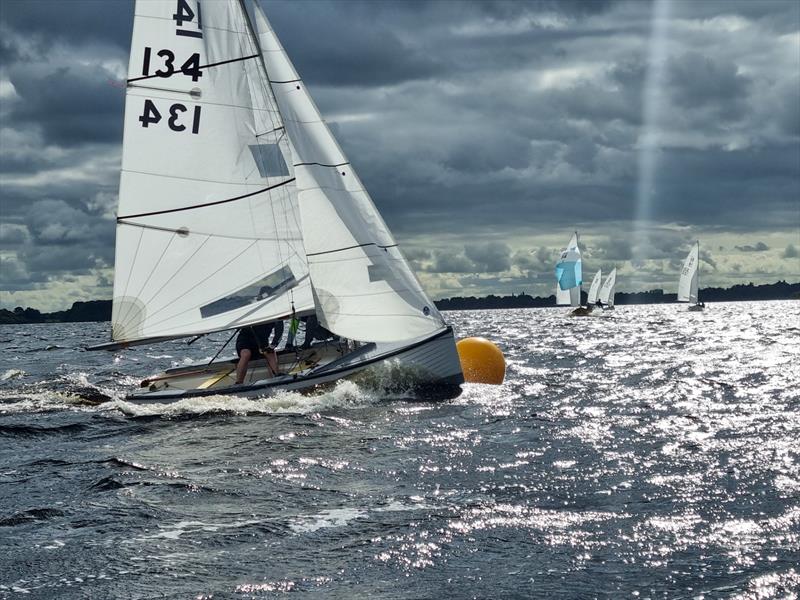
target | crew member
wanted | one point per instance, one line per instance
(254, 340)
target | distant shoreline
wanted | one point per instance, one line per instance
(100, 310)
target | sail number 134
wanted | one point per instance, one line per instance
(178, 119)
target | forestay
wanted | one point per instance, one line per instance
(208, 232)
(607, 289)
(687, 286)
(594, 289)
(363, 287)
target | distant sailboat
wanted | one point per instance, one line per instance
(237, 207)
(569, 275)
(688, 285)
(607, 290)
(594, 290)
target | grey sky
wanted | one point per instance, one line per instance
(485, 131)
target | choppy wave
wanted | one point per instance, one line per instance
(650, 453)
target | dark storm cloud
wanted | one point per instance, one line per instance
(615, 249)
(541, 259)
(702, 84)
(71, 104)
(72, 22)
(12, 235)
(358, 50)
(472, 119)
(759, 247)
(739, 189)
(446, 261)
(489, 257)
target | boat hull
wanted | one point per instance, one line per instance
(427, 369)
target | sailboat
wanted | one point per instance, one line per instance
(569, 277)
(238, 207)
(688, 285)
(594, 290)
(606, 296)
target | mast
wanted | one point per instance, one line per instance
(257, 44)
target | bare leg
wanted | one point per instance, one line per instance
(241, 366)
(272, 361)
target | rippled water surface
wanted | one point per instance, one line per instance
(650, 454)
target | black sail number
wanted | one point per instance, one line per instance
(190, 68)
(176, 122)
(185, 14)
(169, 59)
(174, 115)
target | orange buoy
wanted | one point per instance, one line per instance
(481, 361)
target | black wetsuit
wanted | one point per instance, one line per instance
(256, 337)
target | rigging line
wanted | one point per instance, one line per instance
(174, 274)
(128, 281)
(197, 100)
(278, 128)
(182, 72)
(351, 248)
(287, 81)
(251, 39)
(180, 178)
(257, 305)
(307, 164)
(154, 268)
(207, 26)
(173, 210)
(235, 331)
(205, 233)
(160, 89)
(230, 325)
(270, 300)
(170, 303)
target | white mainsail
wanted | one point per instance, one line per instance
(569, 275)
(688, 284)
(607, 289)
(363, 287)
(594, 289)
(208, 232)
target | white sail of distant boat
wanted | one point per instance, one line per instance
(594, 289)
(688, 285)
(569, 275)
(237, 206)
(607, 290)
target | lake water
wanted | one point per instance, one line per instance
(651, 454)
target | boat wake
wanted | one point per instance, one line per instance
(346, 395)
(75, 392)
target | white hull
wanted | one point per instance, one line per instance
(426, 368)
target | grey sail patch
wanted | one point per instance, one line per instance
(380, 272)
(269, 160)
(271, 286)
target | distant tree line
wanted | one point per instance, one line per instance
(100, 310)
(738, 293)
